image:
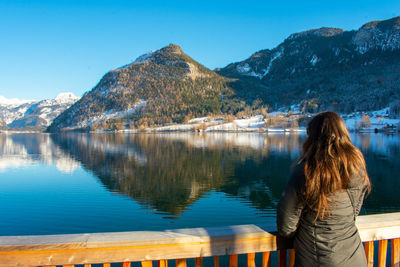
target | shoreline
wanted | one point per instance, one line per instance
(154, 130)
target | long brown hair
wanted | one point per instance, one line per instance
(330, 159)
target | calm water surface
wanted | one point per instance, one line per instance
(81, 183)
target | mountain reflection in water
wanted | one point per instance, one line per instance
(22, 149)
(167, 173)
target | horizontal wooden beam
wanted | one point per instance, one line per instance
(379, 226)
(161, 245)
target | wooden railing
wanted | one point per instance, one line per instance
(180, 245)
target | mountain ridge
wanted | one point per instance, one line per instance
(159, 87)
(320, 70)
(317, 69)
(22, 114)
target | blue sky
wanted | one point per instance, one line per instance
(48, 47)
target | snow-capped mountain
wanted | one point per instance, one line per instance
(325, 68)
(159, 87)
(383, 35)
(15, 113)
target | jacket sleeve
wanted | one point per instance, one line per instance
(357, 192)
(290, 205)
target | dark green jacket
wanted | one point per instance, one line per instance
(332, 241)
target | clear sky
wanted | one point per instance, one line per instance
(51, 46)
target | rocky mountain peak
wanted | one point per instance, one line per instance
(161, 86)
(383, 35)
(165, 55)
(173, 49)
(322, 32)
(384, 25)
(66, 97)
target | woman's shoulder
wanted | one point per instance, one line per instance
(298, 168)
(297, 176)
(357, 180)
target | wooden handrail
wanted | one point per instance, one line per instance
(145, 246)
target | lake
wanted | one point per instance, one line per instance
(106, 182)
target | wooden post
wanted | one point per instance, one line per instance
(216, 261)
(382, 253)
(282, 258)
(162, 263)
(291, 257)
(87, 265)
(233, 260)
(369, 253)
(180, 262)
(396, 252)
(126, 264)
(106, 265)
(198, 262)
(266, 259)
(251, 260)
(147, 264)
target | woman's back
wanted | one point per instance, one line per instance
(333, 240)
(323, 197)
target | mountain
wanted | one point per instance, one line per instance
(33, 114)
(314, 70)
(13, 109)
(160, 87)
(326, 68)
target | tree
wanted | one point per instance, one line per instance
(294, 124)
(395, 108)
(365, 121)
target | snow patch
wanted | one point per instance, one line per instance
(274, 57)
(252, 124)
(66, 97)
(257, 75)
(111, 114)
(243, 68)
(140, 60)
(379, 120)
(198, 120)
(145, 58)
(314, 60)
(336, 51)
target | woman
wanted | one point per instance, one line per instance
(323, 197)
